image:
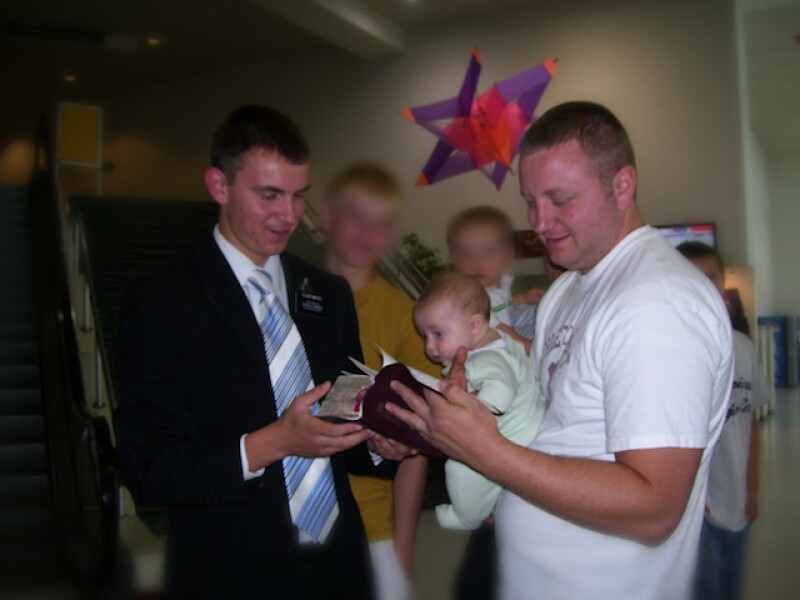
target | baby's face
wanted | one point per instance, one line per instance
(445, 329)
(481, 251)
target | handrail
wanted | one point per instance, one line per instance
(85, 268)
(67, 413)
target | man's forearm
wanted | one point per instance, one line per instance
(613, 497)
(409, 486)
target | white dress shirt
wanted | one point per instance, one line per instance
(242, 268)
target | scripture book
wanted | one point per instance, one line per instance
(362, 398)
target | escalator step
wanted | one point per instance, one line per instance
(21, 353)
(24, 491)
(24, 564)
(16, 459)
(25, 523)
(19, 376)
(15, 311)
(21, 428)
(18, 332)
(21, 402)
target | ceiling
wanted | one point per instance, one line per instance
(195, 36)
(773, 74)
(416, 13)
(40, 44)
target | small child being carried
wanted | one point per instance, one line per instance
(481, 244)
(452, 312)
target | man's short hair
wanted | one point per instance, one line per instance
(481, 215)
(697, 250)
(256, 127)
(600, 134)
(459, 290)
(370, 177)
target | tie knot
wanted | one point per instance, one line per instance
(262, 282)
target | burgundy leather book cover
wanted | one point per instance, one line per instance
(380, 420)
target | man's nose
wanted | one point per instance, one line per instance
(540, 216)
(288, 210)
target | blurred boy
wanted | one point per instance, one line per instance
(360, 217)
(732, 497)
(481, 244)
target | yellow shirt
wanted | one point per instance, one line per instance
(385, 317)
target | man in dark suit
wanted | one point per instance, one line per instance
(223, 360)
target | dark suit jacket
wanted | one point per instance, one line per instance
(194, 378)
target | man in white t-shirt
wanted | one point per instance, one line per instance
(732, 498)
(633, 348)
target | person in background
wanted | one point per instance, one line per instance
(523, 318)
(633, 349)
(481, 244)
(223, 360)
(360, 217)
(732, 497)
(453, 312)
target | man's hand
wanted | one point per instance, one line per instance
(451, 422)
(390, 449)
(532, 296)
(300, 433)
(751, 506)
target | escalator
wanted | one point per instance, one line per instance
(26, 504)
(58, 492)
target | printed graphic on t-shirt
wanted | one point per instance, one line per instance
(556, 355)
(741, 398)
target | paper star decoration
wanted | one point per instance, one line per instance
(481, 133)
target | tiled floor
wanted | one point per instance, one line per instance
(773, 570)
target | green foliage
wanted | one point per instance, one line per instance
(426, 259)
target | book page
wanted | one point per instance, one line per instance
(340, 401)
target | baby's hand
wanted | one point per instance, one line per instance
(532, 296)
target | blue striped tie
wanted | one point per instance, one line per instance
(309, 481)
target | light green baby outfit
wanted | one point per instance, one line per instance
(502, 376)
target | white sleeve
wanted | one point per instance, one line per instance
(247, 474)
(662, 370)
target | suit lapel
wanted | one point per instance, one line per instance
(308, 327)
(226, 297)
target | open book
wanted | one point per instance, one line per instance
(363, 397)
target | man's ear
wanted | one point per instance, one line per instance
(624, 185)
(217, 185)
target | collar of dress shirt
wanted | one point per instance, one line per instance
(243, 267)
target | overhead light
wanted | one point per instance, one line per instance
(70, 78)
(153, 41)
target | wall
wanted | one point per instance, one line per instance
(759, 223)
(785, 233)
(666, 68)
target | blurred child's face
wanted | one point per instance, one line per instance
(445, 330)
(361, 226)
(482, 252)
(710, 268)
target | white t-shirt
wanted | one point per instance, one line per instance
(501, 301)
(635, 354)
(727, 476)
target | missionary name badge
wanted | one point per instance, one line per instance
(308, 303)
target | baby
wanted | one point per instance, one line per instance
(452, 312)
(481, 244)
